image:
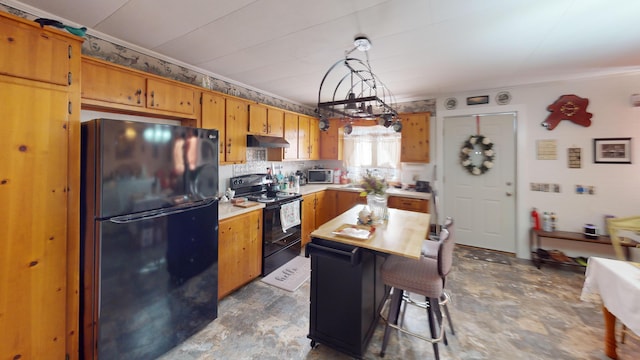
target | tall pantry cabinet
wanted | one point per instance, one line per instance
(39, 189)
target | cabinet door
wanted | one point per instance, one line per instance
(314, 139)
(239, 251)
(291, 135)
(275, 122)
(415, 138)
(308, 217)
(112, 84)
(33, 213)
(410, 204)
(258, 119)
(325, 206)
(331, 141)
(237, 124)
(32, 53)
(303, 137)
(170, 96)
(213, 117)
(347, 199)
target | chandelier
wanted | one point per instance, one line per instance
(350, 90)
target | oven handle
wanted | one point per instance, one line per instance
(278, 205)
(352, 256)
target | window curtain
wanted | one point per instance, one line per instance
(372, 146)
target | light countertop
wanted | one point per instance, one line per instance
(402, 234)
(227, 210)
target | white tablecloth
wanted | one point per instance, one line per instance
(617, 283)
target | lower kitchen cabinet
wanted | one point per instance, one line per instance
(411, 204)
(239, 251)
(317, 209)
(345, 200)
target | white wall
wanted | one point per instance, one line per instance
(617, 185)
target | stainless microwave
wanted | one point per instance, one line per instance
(319, 176)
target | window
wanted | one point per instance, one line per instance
(372, 147)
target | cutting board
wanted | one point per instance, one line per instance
(247, 204)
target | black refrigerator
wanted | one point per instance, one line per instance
(149, 245)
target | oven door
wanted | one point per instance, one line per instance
(278, 246)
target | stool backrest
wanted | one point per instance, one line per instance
(445, 249)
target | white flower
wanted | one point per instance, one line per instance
(466, 162)
(488, 152)
(465, 150)
(488, 164)
(473, 139)
(486, 141)
(476, 171)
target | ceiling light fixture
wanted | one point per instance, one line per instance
(358, 93)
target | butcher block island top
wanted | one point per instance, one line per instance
(402, 234)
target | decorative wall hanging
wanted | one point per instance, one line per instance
(575, 158)
(547, 149)
(478, 100)
(612, 151)
(503, 98)
(568, 107)
(450, 103)
(477, 154)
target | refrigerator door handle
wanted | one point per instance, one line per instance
(146, 215)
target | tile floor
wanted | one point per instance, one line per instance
(499, 312)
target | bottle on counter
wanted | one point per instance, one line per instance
(546, 222)
(337, 175)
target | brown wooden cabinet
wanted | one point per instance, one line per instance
(415, 138)
(265, 120)
(237, 123)
(214, 117)
(39, 212)
(275, 122)
(317, 209)
(331, 141)
(304, 139)
(314, 139)
(239, 251)
(347, 199)
(406, 203)
(107, 86)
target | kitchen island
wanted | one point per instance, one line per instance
(346, 289)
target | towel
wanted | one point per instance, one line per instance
(290, 215)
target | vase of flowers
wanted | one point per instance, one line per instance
(375, 188)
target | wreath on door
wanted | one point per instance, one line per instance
(481, 148)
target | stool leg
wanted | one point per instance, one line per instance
(437, 311)
(432, 325)
(446, 312)
(392, 318)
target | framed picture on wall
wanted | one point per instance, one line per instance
(612, 151)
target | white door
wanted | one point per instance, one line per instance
(482, 206)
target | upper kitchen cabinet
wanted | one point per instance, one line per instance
(35, 54)
(331, 141)
(265, 120)
(40, 167)
(275, 122)
(291, 135)
(308, 138)
(107, 86)
(415, 138)
(236, 125)
(214, 117)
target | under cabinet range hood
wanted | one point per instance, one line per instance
(266, 141)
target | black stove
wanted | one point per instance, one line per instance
(278, 245)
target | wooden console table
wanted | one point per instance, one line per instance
(536, 236)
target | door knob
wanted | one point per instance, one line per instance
(509, 193)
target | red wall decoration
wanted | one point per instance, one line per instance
(568, 107)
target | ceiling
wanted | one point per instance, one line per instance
(421, 49)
